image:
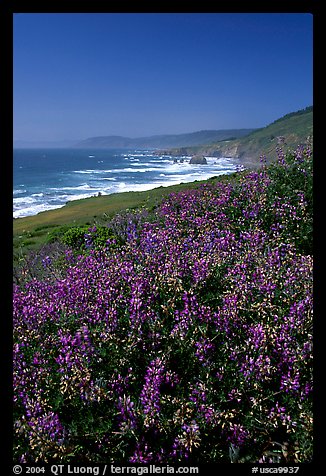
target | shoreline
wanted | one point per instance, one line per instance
(34, 230)
(138, 174)
(142, 188)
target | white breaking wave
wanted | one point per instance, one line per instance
(34, 210)
(163, 171)
(23, 200)
(118, 171)
(84, 186)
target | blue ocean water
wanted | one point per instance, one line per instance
(45, 179)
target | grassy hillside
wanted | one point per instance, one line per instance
(288, 131)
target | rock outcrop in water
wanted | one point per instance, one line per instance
(198, 160)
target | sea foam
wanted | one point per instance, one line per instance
(76, 176)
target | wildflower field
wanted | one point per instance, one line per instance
(178, 335)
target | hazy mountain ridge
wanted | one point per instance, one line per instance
(165, 140)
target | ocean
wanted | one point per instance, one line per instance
(45, 179)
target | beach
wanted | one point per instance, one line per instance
(46, 179)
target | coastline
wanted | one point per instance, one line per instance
(48, 179)
(33, 231)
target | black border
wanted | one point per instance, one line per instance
(7, 10)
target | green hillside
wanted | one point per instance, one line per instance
(289, 131)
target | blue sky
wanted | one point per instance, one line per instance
(80, 75)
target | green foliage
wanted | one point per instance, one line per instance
(81, 238)
(75, 237)
(292, 187)
(55, 234)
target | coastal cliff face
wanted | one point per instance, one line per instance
(227, 150)
(230, 149)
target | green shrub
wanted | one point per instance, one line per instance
(55, 234)
(82, 238)
(75, 237)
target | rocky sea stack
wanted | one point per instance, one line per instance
(198, 160)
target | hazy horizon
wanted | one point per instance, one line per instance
(72, 142)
